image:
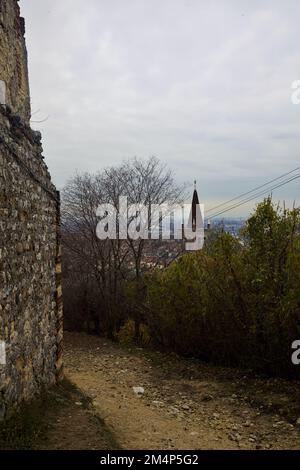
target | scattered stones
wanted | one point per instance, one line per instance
(157, 403)
(234, 437)
(139, 391)
(184, 411)
(247, 424)
(185, 407)
(207, 397)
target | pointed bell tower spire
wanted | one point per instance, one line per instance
(195, 226)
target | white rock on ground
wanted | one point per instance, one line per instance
(138, 390)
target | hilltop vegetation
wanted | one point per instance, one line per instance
(237, 302)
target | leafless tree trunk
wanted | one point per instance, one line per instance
(109, 262)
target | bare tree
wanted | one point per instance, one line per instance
(107, 264)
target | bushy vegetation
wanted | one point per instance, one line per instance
(237, 302)
(95, 271)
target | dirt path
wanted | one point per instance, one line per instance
(185, 405)
(73, 424)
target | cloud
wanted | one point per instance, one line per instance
(205, 86)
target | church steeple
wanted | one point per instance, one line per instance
(195, 205)
(195, 225)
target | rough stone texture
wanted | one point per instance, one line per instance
(13, 58)
(30, 292)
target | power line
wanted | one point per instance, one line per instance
(261, 193)
(252, 190)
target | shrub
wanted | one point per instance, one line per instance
(237, 302)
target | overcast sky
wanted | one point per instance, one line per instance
(203, 85)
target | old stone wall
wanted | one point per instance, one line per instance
(30, 292)
(13, 58)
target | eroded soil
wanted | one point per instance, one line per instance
(185, 404)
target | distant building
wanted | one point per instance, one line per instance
(193, 232)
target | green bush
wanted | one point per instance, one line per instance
(236, 302)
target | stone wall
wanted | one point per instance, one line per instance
(30, 289)
(13, 58)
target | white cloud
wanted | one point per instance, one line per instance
(205, 86)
